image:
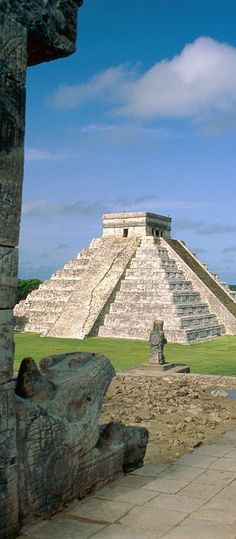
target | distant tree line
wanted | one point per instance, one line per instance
(25, 286)
(232, 287)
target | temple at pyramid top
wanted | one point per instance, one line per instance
(138, 224)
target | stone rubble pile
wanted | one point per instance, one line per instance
(181, 412)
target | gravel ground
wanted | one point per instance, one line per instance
(181, 412)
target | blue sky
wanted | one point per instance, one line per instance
(141, 118)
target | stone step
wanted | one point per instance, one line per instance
(185, 297)
(191, 308)
(61, 284)
(128, 333)
(132, 280)
(180, 284)
(68, 273)
(49, 295)
(36, 328)
(180, 336)
(200, 320)
(137, 296)
(162, 296)
(142, 265)
(205, 333)
(157, 310)
(44, 308)
(174, 274)
(141, 307)
(141, 334)
(133, 319)
(138, 273)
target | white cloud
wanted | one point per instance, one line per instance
(42, 209)
(101, 85)
(230, 249)
(41, 154)
(202, 78)
(203, 228)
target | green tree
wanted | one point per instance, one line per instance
(25, 286)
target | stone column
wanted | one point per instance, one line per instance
(13, 51)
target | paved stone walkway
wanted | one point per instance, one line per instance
(195, 498)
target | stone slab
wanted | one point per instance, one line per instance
(58, 527)
(231, 435)
(180, 473)
(134, 481)
(121, 493)
(6, 345)
(8, 277)
(230, 454)
(228, 492)
(150, 469)
(176, 502)
(150, 518)
(169, 486)
(214, 450)
(198, 490)
(104, 511)
(216, 477)
(195, 460)
(194, 529)
(218, 510)
(224, 464)
(117, 531)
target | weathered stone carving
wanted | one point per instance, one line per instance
(8, 272)
(31, 31)
(6, 345)
(13, 58)
(9, 502)
(157, 341)
(59, 440)
(51, 26)
(51, 447)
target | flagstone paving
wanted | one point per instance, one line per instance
(195, 498)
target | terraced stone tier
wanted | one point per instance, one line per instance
(117, 288)
(43, 306)
(154, 287)
(70, 303)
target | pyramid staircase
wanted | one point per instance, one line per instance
(155, 288)
(71, 301)
(125, 280)
(43, 306)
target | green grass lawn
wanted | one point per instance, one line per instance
(212, 357)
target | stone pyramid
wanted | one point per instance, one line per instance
(122, 282)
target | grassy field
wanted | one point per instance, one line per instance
(212, 357)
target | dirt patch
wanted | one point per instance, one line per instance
(181, 412)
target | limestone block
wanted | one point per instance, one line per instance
(6, 345)
(8, 276)
(8, 463)
(13, 58)
(51, 26)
